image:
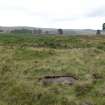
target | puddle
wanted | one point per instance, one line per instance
(70, 80)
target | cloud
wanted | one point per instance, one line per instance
(53, 13)
(97, 12)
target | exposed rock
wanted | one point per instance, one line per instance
(70, 80)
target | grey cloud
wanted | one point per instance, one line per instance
(97, 12)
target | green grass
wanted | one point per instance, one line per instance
(25, 58)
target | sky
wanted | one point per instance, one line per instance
(66, 14)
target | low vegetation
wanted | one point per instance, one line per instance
(25, 58)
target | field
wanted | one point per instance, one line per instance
(26, 58)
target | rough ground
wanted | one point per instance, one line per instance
(25, 58)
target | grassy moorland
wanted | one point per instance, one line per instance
(25, 58)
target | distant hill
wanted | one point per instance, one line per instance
(52, 30)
